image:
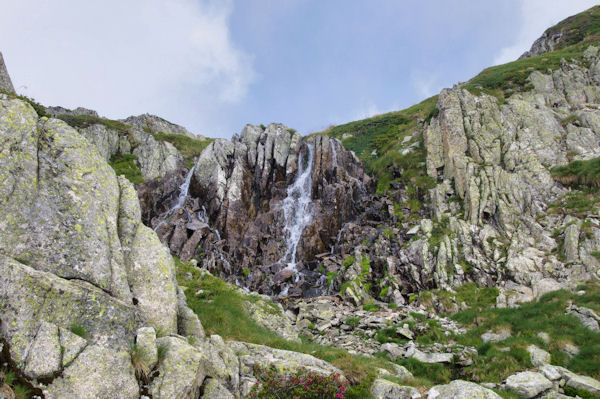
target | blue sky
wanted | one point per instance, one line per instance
(213, 66)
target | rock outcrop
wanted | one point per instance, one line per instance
(156, 124)
(236, 206)
(5, 81)
(74, 259)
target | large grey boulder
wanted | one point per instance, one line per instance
(76, 260)
(181, 372)
(285, 361)
(97, 373)
(461, 390)
(528, 384)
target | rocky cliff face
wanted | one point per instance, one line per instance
(236, 220)
(74, 252)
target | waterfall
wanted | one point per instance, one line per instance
(333, 152)
(183, 194)
(297, 207)
(184, 189)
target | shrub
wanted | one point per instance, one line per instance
(301, 384)
(126, 165)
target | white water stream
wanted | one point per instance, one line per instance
(183, 194)
(297, 208)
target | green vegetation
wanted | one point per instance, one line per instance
(496, 361)
(39, 108)
(545, 315)
(78, 328)
(301, 384)
(384, 134)
(579, 173)
(577, 203)
(221, 310)
(83, 121)
(142, 370)
(188, 147)
(579, 31)
(126, 165)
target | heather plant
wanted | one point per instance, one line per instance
(303, 384)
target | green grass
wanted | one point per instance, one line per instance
(582, 27)
(577, 203)
(546, 315)
(83, 121)
(383, 134)
(125, 165)
(221, 310)
(188, 147)
(39, 108)
(579, 173)
(79, 329)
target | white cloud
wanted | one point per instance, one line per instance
(125, 57)
(537, 16)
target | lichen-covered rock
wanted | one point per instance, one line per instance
(151, 276)
(384, 389)
(156, 158)
(97, 373)
(284, 361)
(214, 389)
(44, 357)
(271, 316)
(145, 341)
(107, 141)
(461, 390)
(181, 372)
(156, 124)
(538, 356)
(528, 384)
(29, 297)
(188, 324)
(50, 173)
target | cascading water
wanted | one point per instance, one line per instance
(184, 189)
(183, 194)
(297, 208)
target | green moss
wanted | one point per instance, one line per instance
(126, 165)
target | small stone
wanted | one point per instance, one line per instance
(544, 336)
(496, 337)
(538, 356)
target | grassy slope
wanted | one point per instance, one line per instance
(384, 133)
(221, 310)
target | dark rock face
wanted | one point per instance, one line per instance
(238, 189)
(5, 82)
